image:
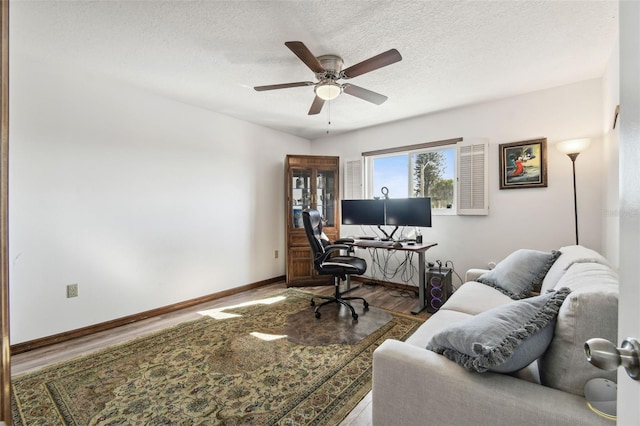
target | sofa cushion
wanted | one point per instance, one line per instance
(473, 274)
(503, 339)
(520, 272)
(433, 325)
(569, 256)
(474, 298)
(591, 310)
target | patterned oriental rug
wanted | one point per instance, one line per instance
(269, 362)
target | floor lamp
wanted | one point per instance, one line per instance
(572, 148)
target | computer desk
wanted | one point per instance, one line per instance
(419, 248)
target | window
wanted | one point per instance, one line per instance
(452, 173)
(420, 173)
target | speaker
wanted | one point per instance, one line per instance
(438, 288)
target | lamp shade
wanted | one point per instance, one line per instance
(573, 146)
(328, 90)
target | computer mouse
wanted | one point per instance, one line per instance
(397, 244)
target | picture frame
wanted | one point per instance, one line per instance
(523, 164)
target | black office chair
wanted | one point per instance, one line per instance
(326, 264)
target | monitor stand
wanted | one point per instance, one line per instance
(387, 237)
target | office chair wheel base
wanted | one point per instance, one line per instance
(355, 317)
(313, 303)
(366, 306)
(317, 314)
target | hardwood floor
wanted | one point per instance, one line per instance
(379, 296)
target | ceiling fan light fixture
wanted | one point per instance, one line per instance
(328, 90)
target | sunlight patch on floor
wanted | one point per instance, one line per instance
(217, 313)
(268, 337)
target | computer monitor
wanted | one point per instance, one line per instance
(362, 212)
(408, 212)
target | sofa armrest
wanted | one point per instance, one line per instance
(414, 386)
(473, 274)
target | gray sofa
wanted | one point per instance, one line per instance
(416, 386)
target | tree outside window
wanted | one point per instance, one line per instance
(430, 178)
(426, 173)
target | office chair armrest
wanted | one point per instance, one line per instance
(335, 247)
(330, 249)
(344, 241)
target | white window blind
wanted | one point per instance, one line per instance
(353, 188)
(473, 178)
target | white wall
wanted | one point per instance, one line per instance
(141, 201)
(537, 218)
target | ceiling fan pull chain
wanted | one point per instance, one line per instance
(328, 117)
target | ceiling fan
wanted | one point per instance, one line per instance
(328, 70)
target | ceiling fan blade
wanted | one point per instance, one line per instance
(316, 106)
(283, 86)
(362, 93)
(305, 55)
(382, 60)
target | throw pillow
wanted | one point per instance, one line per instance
(503, 339)
(519, 272)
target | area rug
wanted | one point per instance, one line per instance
(270, 362)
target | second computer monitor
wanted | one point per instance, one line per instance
(408, 212)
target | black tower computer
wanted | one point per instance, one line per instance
(438, 288)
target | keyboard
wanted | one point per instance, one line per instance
(376, 243)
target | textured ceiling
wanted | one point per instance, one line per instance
(211, 53)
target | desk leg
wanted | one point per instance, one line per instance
(422, 287)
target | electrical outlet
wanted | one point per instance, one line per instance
(275, 254)
(72, 290)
